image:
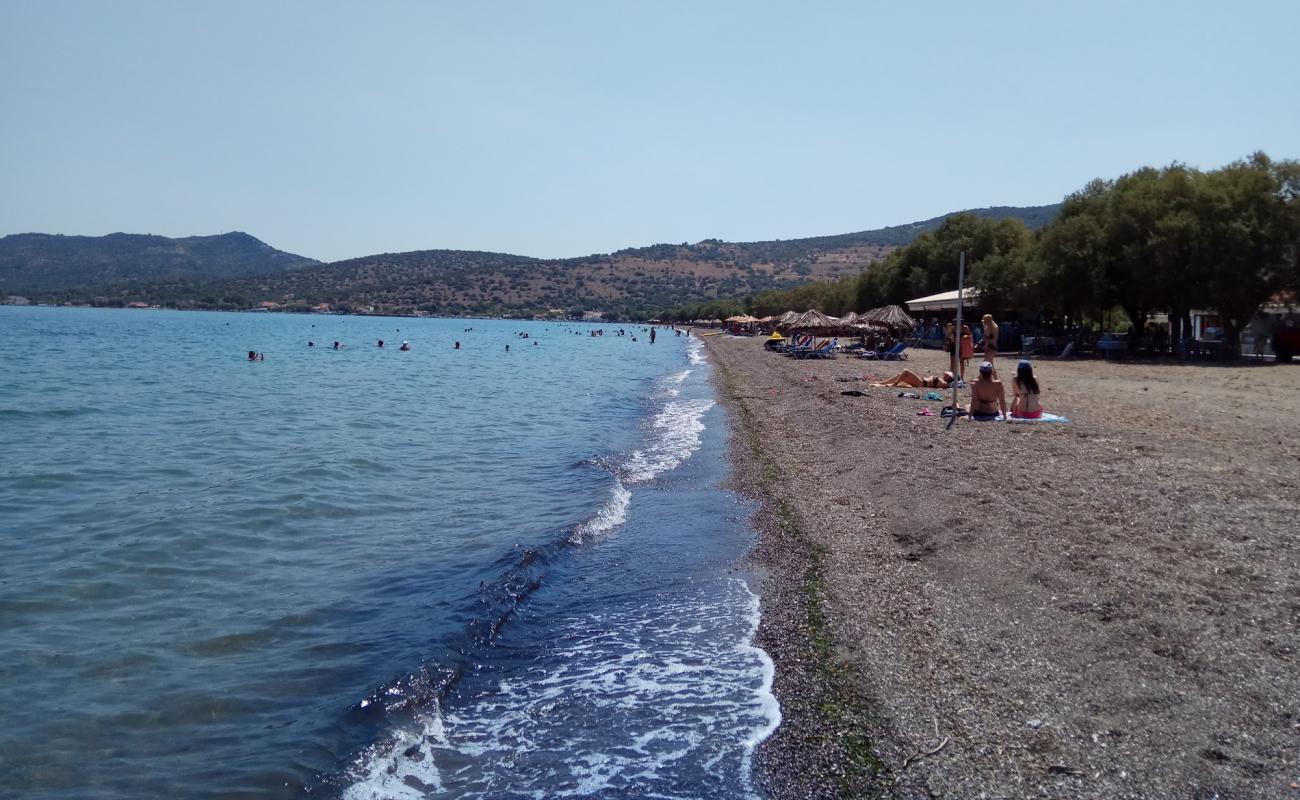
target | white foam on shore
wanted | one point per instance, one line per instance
(403, 767)
(648, 698)
(695, 351)
(676, 436)
(671, 385)
(771, 707)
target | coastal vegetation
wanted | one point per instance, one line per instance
(1168, 239)
(634, 283)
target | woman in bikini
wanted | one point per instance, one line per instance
(988, 398)
(1024, 401)
(911, 380)
(990, 339)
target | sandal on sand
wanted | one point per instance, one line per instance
(925, 412)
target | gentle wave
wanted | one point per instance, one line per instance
(677, 435)
(658, 677)
(612, 514)
(695, 352)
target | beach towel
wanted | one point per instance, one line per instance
(999, 418)
(933, 396)
(1045, 418)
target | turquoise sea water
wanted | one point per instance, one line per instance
(367, 573)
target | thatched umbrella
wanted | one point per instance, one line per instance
(850, 318)
(812, 319)
(788, 317)
(892, 317)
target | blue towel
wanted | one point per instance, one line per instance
(1045, 418)
(999, 418)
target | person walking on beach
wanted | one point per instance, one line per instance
(990, 338)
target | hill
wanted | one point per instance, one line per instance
(632, 282)
(37, 263)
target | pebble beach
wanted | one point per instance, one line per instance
(1105, 608)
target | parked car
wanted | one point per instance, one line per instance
(1286, 340)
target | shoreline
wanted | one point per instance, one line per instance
(798, 759)
(1101, 609)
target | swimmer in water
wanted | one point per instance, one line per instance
(507, 348)
(310, 343)
(337, 345)
(252, 355)
(405, 346)
(457, 345)
(381, 342)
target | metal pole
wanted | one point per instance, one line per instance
(956, 333)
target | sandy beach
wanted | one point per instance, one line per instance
(1107, 608)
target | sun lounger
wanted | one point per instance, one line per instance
(895, 353)
(823, 349)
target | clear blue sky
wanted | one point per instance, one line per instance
(337, 129)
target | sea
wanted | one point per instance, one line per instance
(508, 569)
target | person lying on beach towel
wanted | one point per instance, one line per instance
(911, 380)
(1024, 389)
(988, 397)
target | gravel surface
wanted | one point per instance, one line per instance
(1108, 608)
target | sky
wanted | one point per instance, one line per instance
(337, 130)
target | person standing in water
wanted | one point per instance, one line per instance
(652, 336)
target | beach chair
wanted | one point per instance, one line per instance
(801, 343)
(895, 353)
(823, 349)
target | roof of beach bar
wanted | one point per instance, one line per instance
(943, 301)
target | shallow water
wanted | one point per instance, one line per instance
(363, 572)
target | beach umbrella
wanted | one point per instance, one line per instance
(849, 318)
(788, 317)
(735, 319)
(812, 319)
(892, 317)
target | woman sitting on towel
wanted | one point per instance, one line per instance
(988, 398)
(1024, 402)
(911, 380)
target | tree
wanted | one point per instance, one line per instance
(1248, 214)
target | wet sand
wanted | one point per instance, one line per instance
(1108, 608)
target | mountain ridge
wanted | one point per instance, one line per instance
(631, 282)
(43, 262)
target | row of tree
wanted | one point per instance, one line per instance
(1156, 240)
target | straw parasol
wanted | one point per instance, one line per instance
(812, 319)
(850, 318)
(892, 317)
(788, 317)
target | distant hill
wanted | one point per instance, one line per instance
(35, 263)
(632, 282)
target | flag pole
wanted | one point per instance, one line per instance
(956, 332)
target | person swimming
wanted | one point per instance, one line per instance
(381, 342)
(337, 346)
(252, 355)
(310, 343)
(405, 346)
